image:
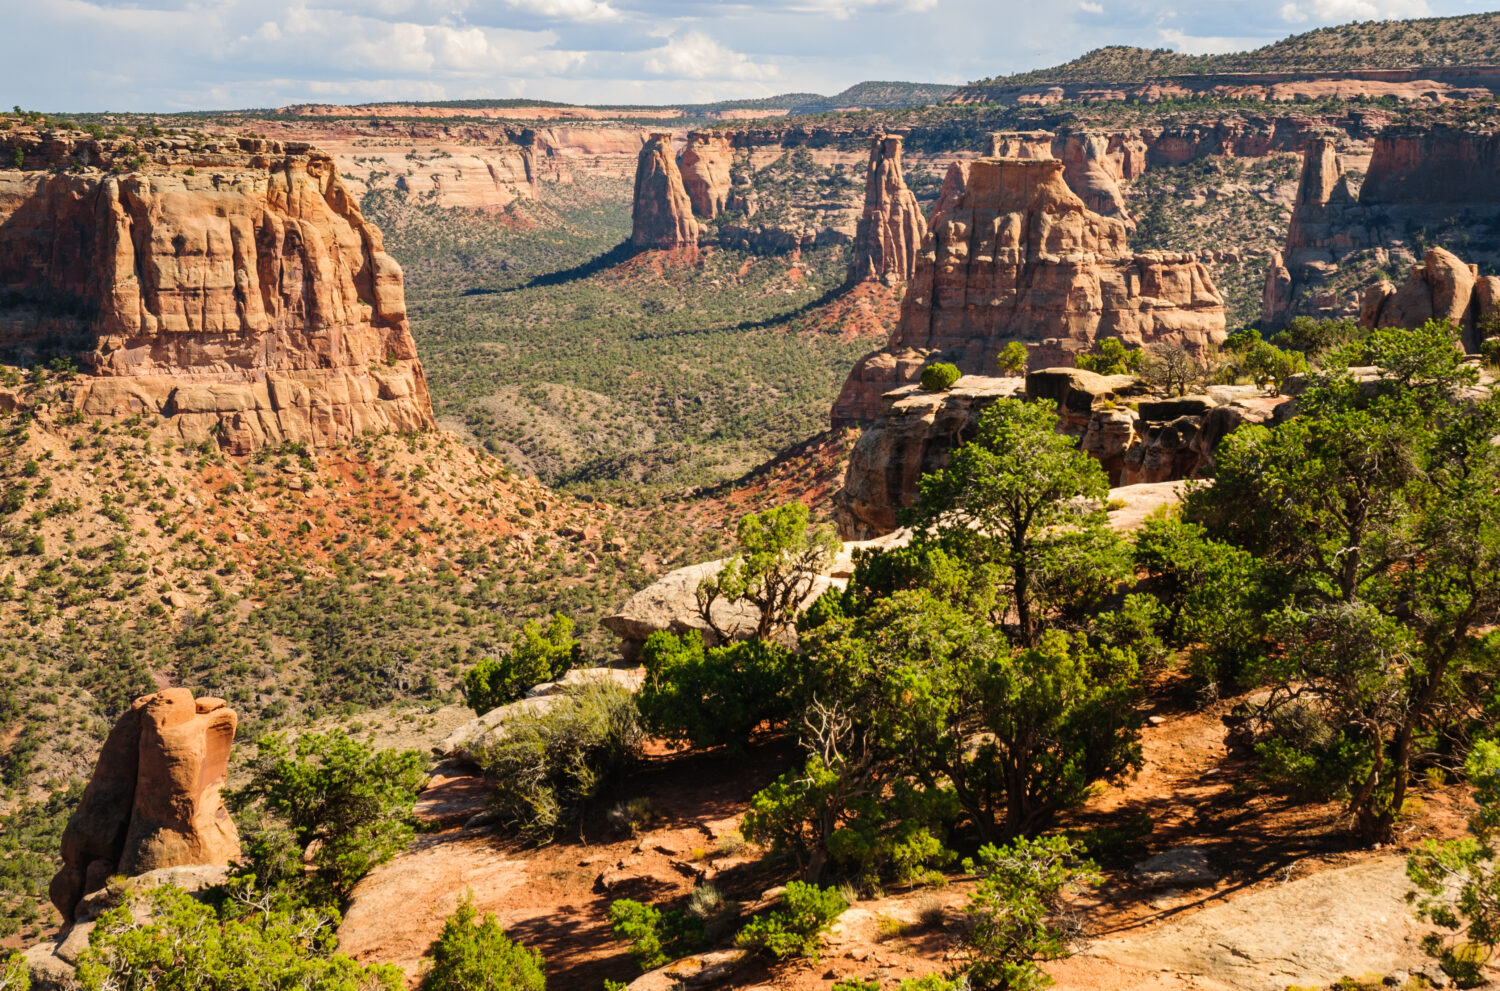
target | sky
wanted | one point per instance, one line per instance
(167, 55)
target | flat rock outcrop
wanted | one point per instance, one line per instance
(1013, 254)
(662, 212)
(891, 228)
(234, 289)
(467, 740)
(706, 163)
(1306, 933)
(153, 801)
(1156, 443)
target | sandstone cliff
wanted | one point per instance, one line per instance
(891, 228)
(1442, 287)
(706, 163)
(1424, 184)
(153, 800)
(233, 288)
(1012, 254)
(662, 211)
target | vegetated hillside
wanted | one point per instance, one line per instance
(1219, 205)
(1460, 40)
(556, 349)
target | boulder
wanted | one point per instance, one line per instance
(1179, 867)
(153, 800)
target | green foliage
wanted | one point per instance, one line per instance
(1021, 500)
(14, 974)
(1458, 886)
(1013, 359)
(1375, 518)
(780, 556)
(793, 928)
(351, 800)
(1490, 351)
(1268, 365)
(1316, 338)
(940, 376)
(480, 957)
(552, 765)
(1109, 356)
(1021, 887)
(715, 696)
(186, 945)
(1206, 591)
(541, 654)
(656, 937)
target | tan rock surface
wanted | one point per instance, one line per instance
(705, 166)
(662, 211)
(153, 801)
(1012, 254)
(892, 227)
(236, 290)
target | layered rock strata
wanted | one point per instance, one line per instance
(1423, 184)
(662, 212)
(1157, 441)
(891, 227)
(706, 164)
(153, 801)
(1013, 254)
(235, 290)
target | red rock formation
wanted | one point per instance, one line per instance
(662, 212)
(891, 228)
(1443, 287)
(1094, 173)
(235, 290)
(1012, 254)
(153, 800)
(706, 163)
(1433, 165)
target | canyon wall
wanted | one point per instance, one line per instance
(1013, 254)
(891, 228)
(1426, 84)
(230, 286)
(706, 162)
(1425, 185)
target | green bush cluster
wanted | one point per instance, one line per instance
(794, 927)
(940, 376)
(473, 954)
(541, 654)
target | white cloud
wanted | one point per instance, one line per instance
(695, 55)
(1341, 11)
(1207, 44)
(1091, 8)
(582, 11)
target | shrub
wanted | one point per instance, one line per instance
(187, 946)
(551, 765)
(1109, 356)
(656, 937)
(1020, 888)
(940, 376)
(1013, 359)
(793, 929)
(717, 695)
(780, 556)
(541, 654)
(351, 800)
(14, 974)
(470, 957)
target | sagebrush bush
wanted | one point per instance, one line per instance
(552, 764)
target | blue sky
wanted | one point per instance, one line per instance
(161, 55)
